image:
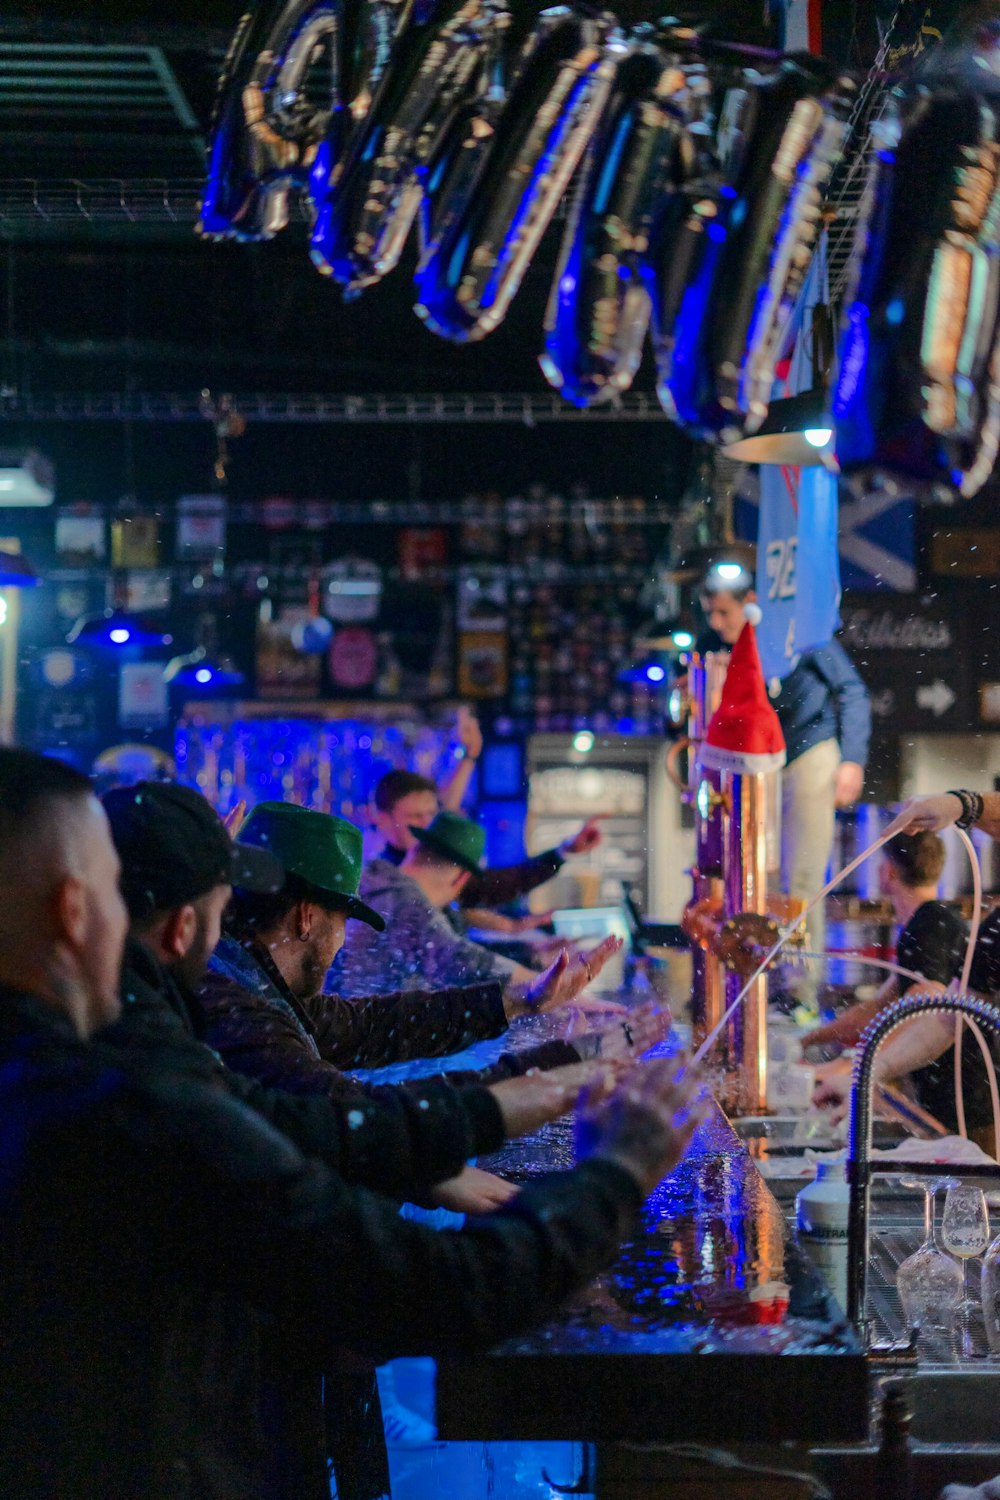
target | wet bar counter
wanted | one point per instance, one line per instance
(711, 1326)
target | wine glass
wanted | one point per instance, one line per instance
(965, 1231)
(928, 1282)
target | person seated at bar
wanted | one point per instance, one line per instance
(421, 949)
(178, 863)
(920, 1042)
(931, 943)
(400, 1140)
(175, 1264)
(403, 801)
(267, 1016)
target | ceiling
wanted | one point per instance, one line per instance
(104, 113)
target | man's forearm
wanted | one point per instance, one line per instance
(451, 791)
(990, 820)
(914, 1045)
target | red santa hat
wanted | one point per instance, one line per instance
(744, 735)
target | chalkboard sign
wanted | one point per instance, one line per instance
(911, 652)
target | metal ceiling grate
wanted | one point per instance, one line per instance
(843, 200)
(90, 87)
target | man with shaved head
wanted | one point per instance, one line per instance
(170, 1264)
(62, 917)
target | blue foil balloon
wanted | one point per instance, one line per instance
(267, 129)
(367, 203)
(729, 251)
(599, 307)
(490, 211)
(918, 390)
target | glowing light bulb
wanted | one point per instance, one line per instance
(203, 674)
(584, 741)
(119, 635)
(655, 674)
(729, 571)
(683, 640)
(818, 437)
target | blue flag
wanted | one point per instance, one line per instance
(798, 568)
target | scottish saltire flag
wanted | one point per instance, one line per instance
(878, 543)
(798, 575)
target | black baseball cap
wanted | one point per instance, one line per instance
(174, 848)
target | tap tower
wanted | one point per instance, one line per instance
(736, 759)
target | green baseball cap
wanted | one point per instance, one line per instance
(319, 848)
(455, 838)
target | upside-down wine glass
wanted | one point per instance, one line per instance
(965, 1231)
(928, 1282)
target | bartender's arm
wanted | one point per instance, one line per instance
(845, 1028)
(916, 1043)
(931, 814)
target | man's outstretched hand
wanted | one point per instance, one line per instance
(474, 1191)
(536, 1098)
(625, 1040)
(929, 814)
(586, 838)
(645, 1125)
(562, 982)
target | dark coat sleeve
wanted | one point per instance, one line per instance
(507, 882)
(374, 1030)
(393, 1140)
(853, 705)
(339, 1266)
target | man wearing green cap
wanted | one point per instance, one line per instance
(266, 978)
(421, 950)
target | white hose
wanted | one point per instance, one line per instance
(991, 1072)
(896, 826)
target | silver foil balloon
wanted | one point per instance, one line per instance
(367, 205)
(508, 174)
(918, 391)
(268, 130)
(599, 307)
(729, 251)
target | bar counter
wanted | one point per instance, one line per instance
(711, 1325)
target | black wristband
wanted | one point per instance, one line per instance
(972, 808)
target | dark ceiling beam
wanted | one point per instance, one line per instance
(527, 409)
(139, 31)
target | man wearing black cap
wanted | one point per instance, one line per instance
(179, 866)
(400, 1141)
(170, 1263)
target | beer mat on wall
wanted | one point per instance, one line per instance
(353, 657)
(281, 670)
(482, 664)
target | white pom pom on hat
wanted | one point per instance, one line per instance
(752, 612)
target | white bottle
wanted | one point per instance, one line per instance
(821, 1213)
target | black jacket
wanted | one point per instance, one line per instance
(261, 1029)
(396, 1140)
(166, 1259)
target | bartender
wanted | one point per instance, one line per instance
(825, 716)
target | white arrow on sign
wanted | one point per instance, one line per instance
(938, 697)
